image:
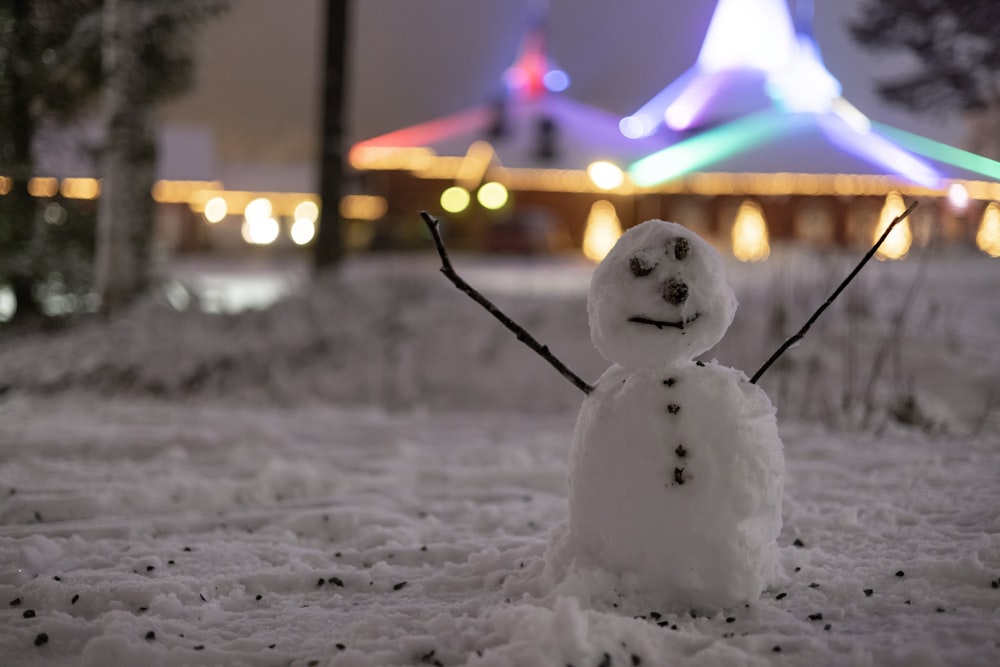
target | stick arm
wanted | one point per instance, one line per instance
(840, 288)
(521, 333)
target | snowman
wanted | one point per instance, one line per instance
(676, 466)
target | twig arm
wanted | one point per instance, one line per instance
(517, 329)
(840, 288)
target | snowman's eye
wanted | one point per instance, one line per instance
(639, 266)
(681, 248)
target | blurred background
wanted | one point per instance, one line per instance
(144, 140)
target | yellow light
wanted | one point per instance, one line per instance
(750, 238)
(181, 192)
(475, 163)
(80, 188)
(43, 187)
(258, 209)
(260, 231)
(306, 210)
(216, 209)
(492, 195)
(898, 242)
(605, 175)
(988, 236)
(362, 207)
(455, 199)
(303, 230)
(5, 184)
(602, 231)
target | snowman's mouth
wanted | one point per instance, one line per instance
(659, 324)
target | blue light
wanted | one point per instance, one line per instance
(556, 80)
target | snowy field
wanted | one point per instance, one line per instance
(370, 471)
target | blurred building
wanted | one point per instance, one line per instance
(753, 143)
(519, 173)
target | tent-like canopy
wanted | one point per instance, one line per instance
(531, 135)
(760, 101)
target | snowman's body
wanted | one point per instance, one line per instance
(676, 468)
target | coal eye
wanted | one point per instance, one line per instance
(639, 266)
(681, 248)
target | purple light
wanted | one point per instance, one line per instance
(754, 34)
(879, 151)
(645, 121)
(692, 101)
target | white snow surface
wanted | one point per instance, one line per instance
(371, 473)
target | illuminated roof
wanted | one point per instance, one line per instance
(760, 100)
(531, 126)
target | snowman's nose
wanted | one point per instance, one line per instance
(675, 292)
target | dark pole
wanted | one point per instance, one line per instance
(329, 247)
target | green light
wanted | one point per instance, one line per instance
(941, 152)
(694, 153)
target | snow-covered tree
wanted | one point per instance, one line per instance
(58, 61)
(147, 56)
(49, 73)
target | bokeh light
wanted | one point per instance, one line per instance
(260, 231)
(750, 237)
(492, 195)
(602, 231)
(897, 244)
(988, 235)
(303, 231)
(958, 197)
(455, 199)
(306, 210)
(216, 209)
(556, 80)
(605, 175)
(258, 209)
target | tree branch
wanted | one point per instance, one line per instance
(517, 329)
(840, 288)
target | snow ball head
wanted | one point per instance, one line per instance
(660, 296)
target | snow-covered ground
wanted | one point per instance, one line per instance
(369, 473)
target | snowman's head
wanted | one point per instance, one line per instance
(660, 296)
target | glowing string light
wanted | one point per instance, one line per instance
(897, 244)
(750, 237)
(988, 235)
(602, 230)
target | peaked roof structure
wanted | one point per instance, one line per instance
(530, 125)
(760, 100)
